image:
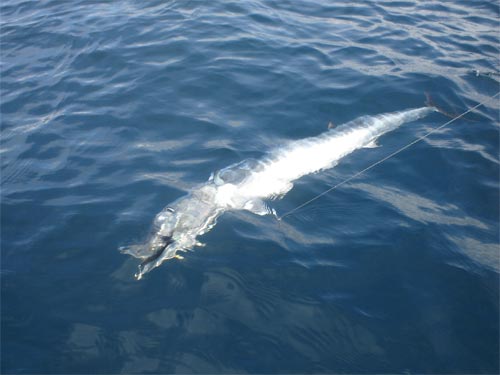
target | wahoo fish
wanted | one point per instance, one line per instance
(245, 185)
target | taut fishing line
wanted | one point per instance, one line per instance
(385, 158)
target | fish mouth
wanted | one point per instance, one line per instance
(167, 240)
(152, 261)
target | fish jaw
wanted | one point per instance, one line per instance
(155, 260)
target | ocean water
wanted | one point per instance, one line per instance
(111, 110)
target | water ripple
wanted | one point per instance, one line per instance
(110, 110)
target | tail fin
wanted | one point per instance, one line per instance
(430, 103)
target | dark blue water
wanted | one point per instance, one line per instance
(110, 110)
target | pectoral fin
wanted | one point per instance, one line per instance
(258, 207)
(372, 144)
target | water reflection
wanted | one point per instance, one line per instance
(247, 317)
(484, 254)
(419, 208)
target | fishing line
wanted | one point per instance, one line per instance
(385, 158)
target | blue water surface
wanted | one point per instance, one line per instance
(112, 109)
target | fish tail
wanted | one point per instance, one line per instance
(430, 103)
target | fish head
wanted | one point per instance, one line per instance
(159, 248)
(164, 225)
(160, 244)
(176, 229)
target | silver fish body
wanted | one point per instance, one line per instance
(244, 185)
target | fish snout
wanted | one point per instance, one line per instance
(157, 246)
(154, 260)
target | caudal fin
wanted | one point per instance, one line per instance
(430, 103)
